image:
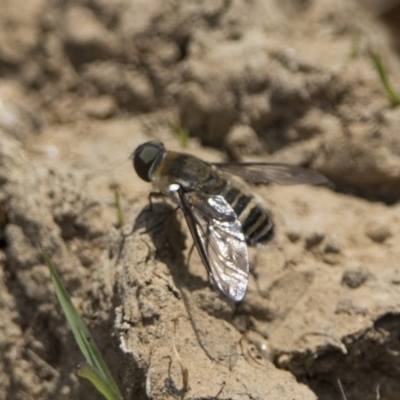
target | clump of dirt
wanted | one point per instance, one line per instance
(83, 83)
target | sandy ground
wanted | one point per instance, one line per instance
(83, 83)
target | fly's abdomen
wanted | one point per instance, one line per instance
(257, 224)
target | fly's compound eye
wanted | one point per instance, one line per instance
(146, 157)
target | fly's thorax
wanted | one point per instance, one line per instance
(189, 172)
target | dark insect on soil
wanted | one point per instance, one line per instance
(221, 217)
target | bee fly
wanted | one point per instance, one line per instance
(221, 218)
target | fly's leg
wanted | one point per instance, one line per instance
(153, 195)
(190, 253)
(160, 222)
(210, 275)
(192, 247)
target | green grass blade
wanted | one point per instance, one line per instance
(81, 332)
(390, 91)
(355, 45)
(93, 375)
(182, 133)
(120, 215)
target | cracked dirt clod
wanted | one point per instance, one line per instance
(354, 277)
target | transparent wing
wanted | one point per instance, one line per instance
(283, 174)
(219, 238)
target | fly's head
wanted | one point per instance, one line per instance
(146, 157)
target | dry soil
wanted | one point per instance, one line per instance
(83, 82)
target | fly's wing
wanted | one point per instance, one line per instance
(283, 174)
(219, 238)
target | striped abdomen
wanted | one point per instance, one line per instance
(257, 225)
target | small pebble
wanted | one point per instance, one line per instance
(377, 231)
(331, 258)
(332, 245)
(101, 107)
(242, 140)
(396, 277)
(354, 277)
(284, 361)
(314, 238)
(331, 251)
(293, 234)
(258, 346)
